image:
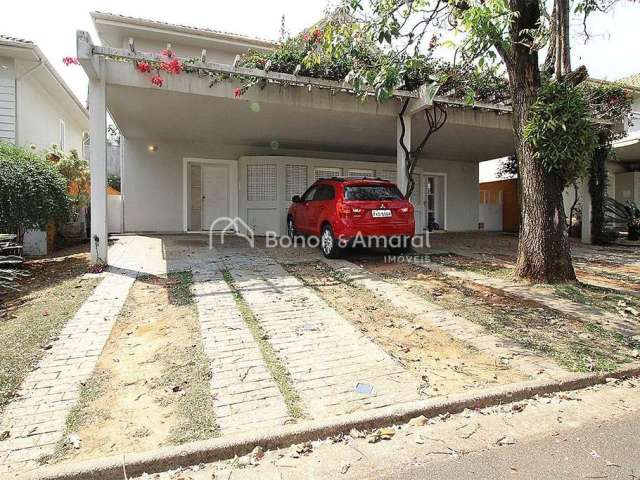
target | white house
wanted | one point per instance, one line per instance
(37, 108)
(193, 152)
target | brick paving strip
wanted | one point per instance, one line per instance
(624, 326)
(456, 326)
(245, 396)
(324, 354)
(36, 419)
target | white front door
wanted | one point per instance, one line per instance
(215, 195)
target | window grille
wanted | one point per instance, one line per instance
(261, 183)
(327, 173)
(389, 175)
(296, 180)
(359, 173)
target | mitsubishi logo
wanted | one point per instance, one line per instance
(382, 205)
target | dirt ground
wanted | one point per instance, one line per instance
(572, 343)
(147, 379)
(444, 364)
(597, 286)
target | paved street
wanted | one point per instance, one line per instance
(600, 450)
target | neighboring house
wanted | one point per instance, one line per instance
(193, 152)
(37, 108)
(624, 178)
(499, 209)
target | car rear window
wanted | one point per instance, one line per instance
(372, 192)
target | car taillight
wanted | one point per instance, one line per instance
(356, 211)
(406, 209)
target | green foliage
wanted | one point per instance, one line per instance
(32, 191)
(598, 186)
(560, 131)
(609, 101)
(114, 182)
(343, 50)
(76, 171)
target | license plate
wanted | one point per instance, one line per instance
(380, 213)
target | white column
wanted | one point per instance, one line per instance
(401, 165)
(586, 211)
(98, 165)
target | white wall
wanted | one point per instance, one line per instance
(39, 115)
(7, 100)
(628, 187)
(152, 181)
(490, 214)
(114, 213)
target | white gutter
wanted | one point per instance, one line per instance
(43, 61)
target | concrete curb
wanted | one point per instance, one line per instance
(111, 468)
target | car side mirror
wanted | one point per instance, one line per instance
(296, 199)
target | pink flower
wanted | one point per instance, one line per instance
(172, 66)
(317, 35)
(167, 53)
(70, 61)
(237, 92)
(306, 37)
(143, 67)
(157, 80)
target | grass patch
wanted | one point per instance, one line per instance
(81, 414)
(179, 288)
(276, 368)
(604, 298)
(188, 369)
(33, 322)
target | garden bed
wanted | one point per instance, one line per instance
(151, 384)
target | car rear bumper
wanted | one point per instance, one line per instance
(347, 231)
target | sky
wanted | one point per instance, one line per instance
(611, 53)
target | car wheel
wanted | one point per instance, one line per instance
(402, 248)
(291, 228)
(329, 243)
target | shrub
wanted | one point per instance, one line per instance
(627, 213)
(32, 191)
(76, 171)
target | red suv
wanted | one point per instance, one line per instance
(347, 211)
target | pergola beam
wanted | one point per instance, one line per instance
(233, 70)
(84, 48)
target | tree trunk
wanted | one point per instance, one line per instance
(543, 248)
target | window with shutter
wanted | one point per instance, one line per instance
(359, 173)
(389, 175)
(261, 183)
(327, 173)
(296, 180)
